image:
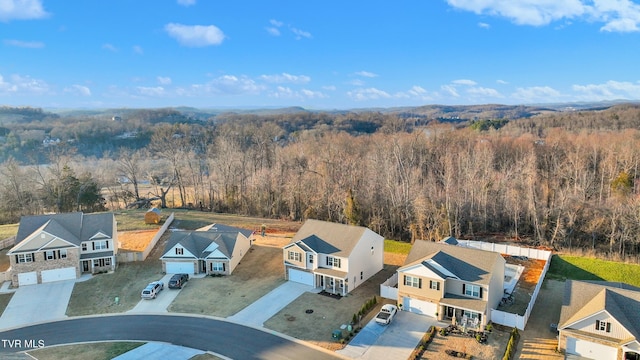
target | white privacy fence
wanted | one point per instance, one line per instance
(389, 288)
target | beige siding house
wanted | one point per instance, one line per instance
(600, 320)
(62, 247)
(213, 249)
(451, 283)
(335, 257)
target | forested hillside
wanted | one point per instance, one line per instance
(561, 179)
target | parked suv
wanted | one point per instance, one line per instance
(178, 280)
(152, 290)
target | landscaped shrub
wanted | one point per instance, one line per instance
(354, 319)
(511, 345)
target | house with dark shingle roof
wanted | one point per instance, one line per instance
(213, 249)
(451, 283)
(600, 320)
(334, 257)
(63, 246)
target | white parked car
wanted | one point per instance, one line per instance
(386, 314)
(152, 290)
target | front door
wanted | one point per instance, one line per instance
(85, 266)
(450, 311)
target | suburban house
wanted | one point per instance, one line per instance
(62, 247)
(213, 249)
(451, 283)
(600, 320)
(334, 257)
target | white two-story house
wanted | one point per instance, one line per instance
(335, 257)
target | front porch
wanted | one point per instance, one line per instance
(332, 281)
(464, 312)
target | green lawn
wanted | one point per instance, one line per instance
(8, 230)
(581, 268)
(396, 247)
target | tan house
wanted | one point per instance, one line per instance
(451, 283)
(600, 320)
(213, 249)
(335, 257)
(62, 247)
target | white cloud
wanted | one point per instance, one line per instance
(368, 94)
(366, 74)
(164, 80)
(312, 94)
(273, 31)
(356, 82)
(80, 90)
(484, 25)
(21, 10)
(465, 82)
(186, 2)
(611, 90)
(195, 35)
(538, 94)
(110, 47)
(150, 91)
(300, 33)
(502, 82)
(24, 44)
(286, 78)
(483, 92)
(416, 92)
(329, 88)
(138, 49)
(18, 84)
(617, 15)
(450, 90)
(288, 93)
(276, 23)
(231, 84)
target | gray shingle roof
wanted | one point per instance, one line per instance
(585, 298)
(73, 227)
(329, 238)
(197, 241)
(467, 264)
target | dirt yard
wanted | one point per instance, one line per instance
(328, 313)
(538, 340)
(526, 284)
(260, 271)
(493, 349)
(135, 240)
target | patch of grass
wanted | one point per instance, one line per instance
(397, 247)
(96, 351)
(205, 356)
(581, 268)
(4, 301)
(97, 295)
(8, 230)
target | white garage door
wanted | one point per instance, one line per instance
(177, 267)
(590, 350)
(419, 307)
(302, 277)
(68, 273)
(29, 278)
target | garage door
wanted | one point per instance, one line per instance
(176, 267)
(29, 278)
(68, 273)
(302, 277)
(590, 350)
(419, 307)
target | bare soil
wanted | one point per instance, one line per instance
(493, 349)
(95, 351)
(328, 314)
(526, 284)
(135, 240)
(260, 271)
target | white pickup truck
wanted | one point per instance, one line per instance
(386, 314)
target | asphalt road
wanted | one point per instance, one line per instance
(225, 338)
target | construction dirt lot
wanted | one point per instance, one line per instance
(526, 284)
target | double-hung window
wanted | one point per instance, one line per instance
(100, 245)
(413, 281)
(294, 256)
(25, 258)
(333, 262)
(472, 290)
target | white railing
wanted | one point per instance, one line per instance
(389, 288)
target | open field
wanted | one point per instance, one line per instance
(493, 349)
(94, 351)
(582, 268)
(328, 312)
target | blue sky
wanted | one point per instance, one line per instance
(316, 54)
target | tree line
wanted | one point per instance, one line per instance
(566, 187)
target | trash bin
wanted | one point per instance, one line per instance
(337, 334)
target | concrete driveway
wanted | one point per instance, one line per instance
(37, 303)
(394, 341)
(267, 306)
(161, 302)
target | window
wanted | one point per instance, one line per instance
(434, 285)
(217, 266)
(84, 246)
(179, 251)
(100, 245)
(603, 326)
(294, 256)
(472, 290)
(471, 315)
(102, 262)
(413, 281)
(361, 275)
(49, 255)
(310, 258)
(63, 254)
(24, 258)
(333, 262)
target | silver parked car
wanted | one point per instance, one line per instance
(152, 290)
